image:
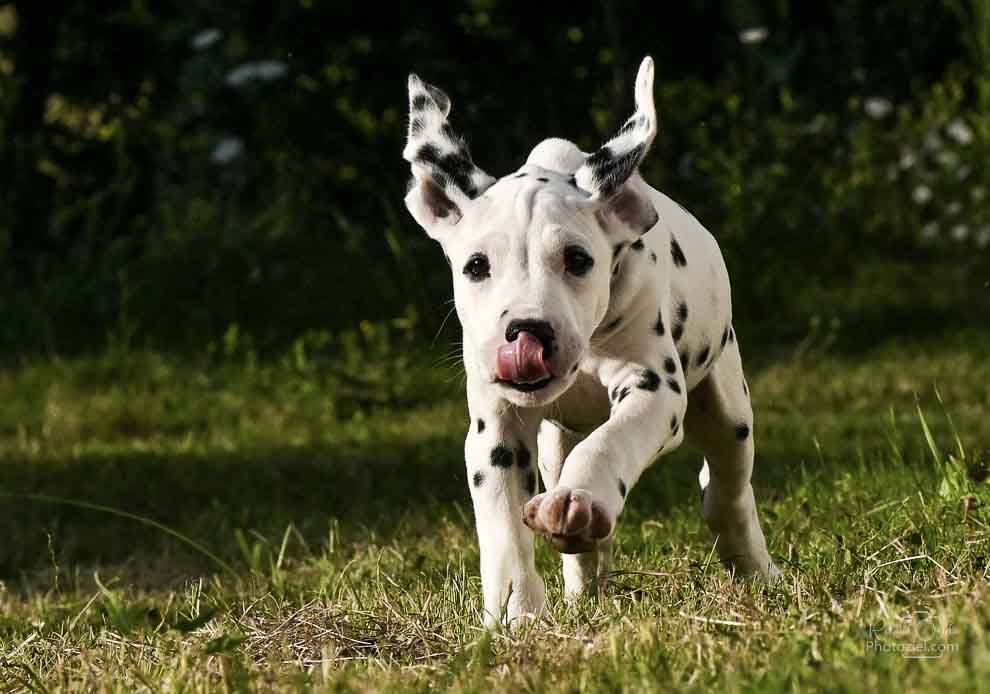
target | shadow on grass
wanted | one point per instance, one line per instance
(209, 498)
(372, 493)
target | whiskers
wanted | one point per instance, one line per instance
(453, 361)
(443, 323)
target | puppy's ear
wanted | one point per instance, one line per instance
(629, 208)
(445, 179)
(609, 174)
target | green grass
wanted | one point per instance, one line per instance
(344, 557)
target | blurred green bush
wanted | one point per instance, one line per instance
(173, 174)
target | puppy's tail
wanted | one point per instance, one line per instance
(703, 477)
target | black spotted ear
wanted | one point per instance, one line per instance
(445, 178)
(609, 174)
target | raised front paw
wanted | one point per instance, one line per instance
(570, 520)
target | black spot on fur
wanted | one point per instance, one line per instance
(574, 368)
(669, 365)
(623, 393)
(649, 380)
(638, 245)
(612, 324)
(725, 337)
(615, 394)
(745, 388)
(572, 181)
(742, 432)
(674, 424)
(543, 180)
(682, 314)
(617, 249)
(481, 425)
(610, 171)
(428, 153)
(676, 253)
(674, 385)
(520, 175)
(653, 256)
(703, 356)
(732, 335)
(523, 457)
(599, 158)
(530, 484)
(501, 456)
(455, 167)
(658, 326)
(459, 167)
(685, 358)
(622, 489)
(419, 102)
(478, 478)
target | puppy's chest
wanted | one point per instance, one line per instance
(584, 407)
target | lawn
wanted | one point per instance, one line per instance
(230, 523)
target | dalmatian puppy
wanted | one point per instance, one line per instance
(597, 324)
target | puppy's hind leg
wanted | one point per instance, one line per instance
(719, 421)
(583, 573)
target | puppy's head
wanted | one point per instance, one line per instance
(532, 253)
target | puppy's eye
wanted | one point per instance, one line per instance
(577, 261)
(477, 268)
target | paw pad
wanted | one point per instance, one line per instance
(570, 520)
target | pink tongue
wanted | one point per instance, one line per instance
(522, 360)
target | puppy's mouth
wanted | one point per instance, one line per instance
(526, 387)
(521, 364)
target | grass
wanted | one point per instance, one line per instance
(320, 535)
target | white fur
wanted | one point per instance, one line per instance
(557, 155)
(587, 440)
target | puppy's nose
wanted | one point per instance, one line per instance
(540, 329)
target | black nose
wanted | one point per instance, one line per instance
(539, 329)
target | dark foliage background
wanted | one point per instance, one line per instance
(227, 175)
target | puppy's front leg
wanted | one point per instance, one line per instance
(648, 404)
(500, 451)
